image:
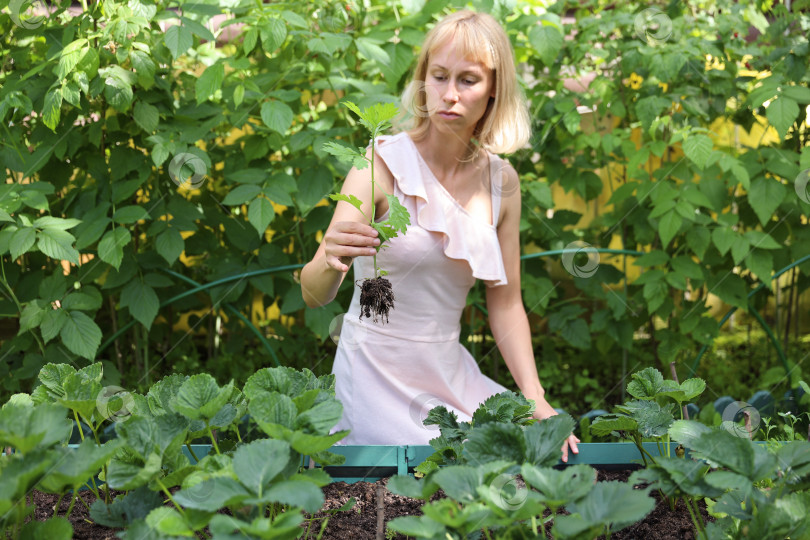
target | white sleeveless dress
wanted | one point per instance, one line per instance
(389, 375)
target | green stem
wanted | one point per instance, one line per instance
(373, 204)
(169, 495)
(78, 424)
(56, 508)
(213, 440)
(191, 451)
(698, 529)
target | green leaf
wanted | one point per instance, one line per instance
(55, 528)
(761, 264)
(653, 420)
(25, 428)
(118, 90)
(698, 148)
(213, 494)
(200, 397)
(178, 40)
(351, 199)
(209, 82)
(70, 57)
(130, 214)
(277, 116)
(688, 267)
(75, 466)
(258, 463)
(52, 322)
(52, 109)
(88, 299)
(142, 302)
(723, 238)
(761, 240)
(238, 94)
(613, 504)
(146, 116)
(765, 196)
(547, 41)
(50, 222)
(577, 333)
(241, 194)
(346, 154)
(782, 113)
(370, 50)
(111, 246)
(668, 226)
(168, 521)
(250, 39)
(739, 248)
(58, 244)
(460, 482)
(741, 174)
(606, 424)
(398, 217)
(406, 485)
(170, 244)
(81, 335)
(558, 488)
(260, 214)
(125, 509)
(197, 29)
(646, 384)
(271, 410)
(273, 33)
(22, 240)
(544, 439)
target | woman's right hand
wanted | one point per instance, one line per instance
(346, 240)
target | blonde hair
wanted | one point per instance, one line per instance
(505, 125)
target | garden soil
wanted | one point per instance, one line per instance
(375, 506)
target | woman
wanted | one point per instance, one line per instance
(464, 226)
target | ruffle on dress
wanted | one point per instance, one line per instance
(466, 237)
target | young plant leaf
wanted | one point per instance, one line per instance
(351, 199)
(346, 154)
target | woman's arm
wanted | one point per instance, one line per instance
(507, 316)
(348, 236)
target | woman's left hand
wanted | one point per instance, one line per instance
(543, 411)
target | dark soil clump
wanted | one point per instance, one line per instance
(376, 298)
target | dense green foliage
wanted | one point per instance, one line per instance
(148, 149)
(258, 477)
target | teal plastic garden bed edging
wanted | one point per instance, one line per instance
(369, 463)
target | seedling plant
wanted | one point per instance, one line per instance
(377, 295)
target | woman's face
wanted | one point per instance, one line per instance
(457, 90)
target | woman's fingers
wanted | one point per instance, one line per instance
(347, 240)
(571, 441)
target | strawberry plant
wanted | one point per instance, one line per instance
(260, 482)
(476, 463)
(377, 296)
(651, 413)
